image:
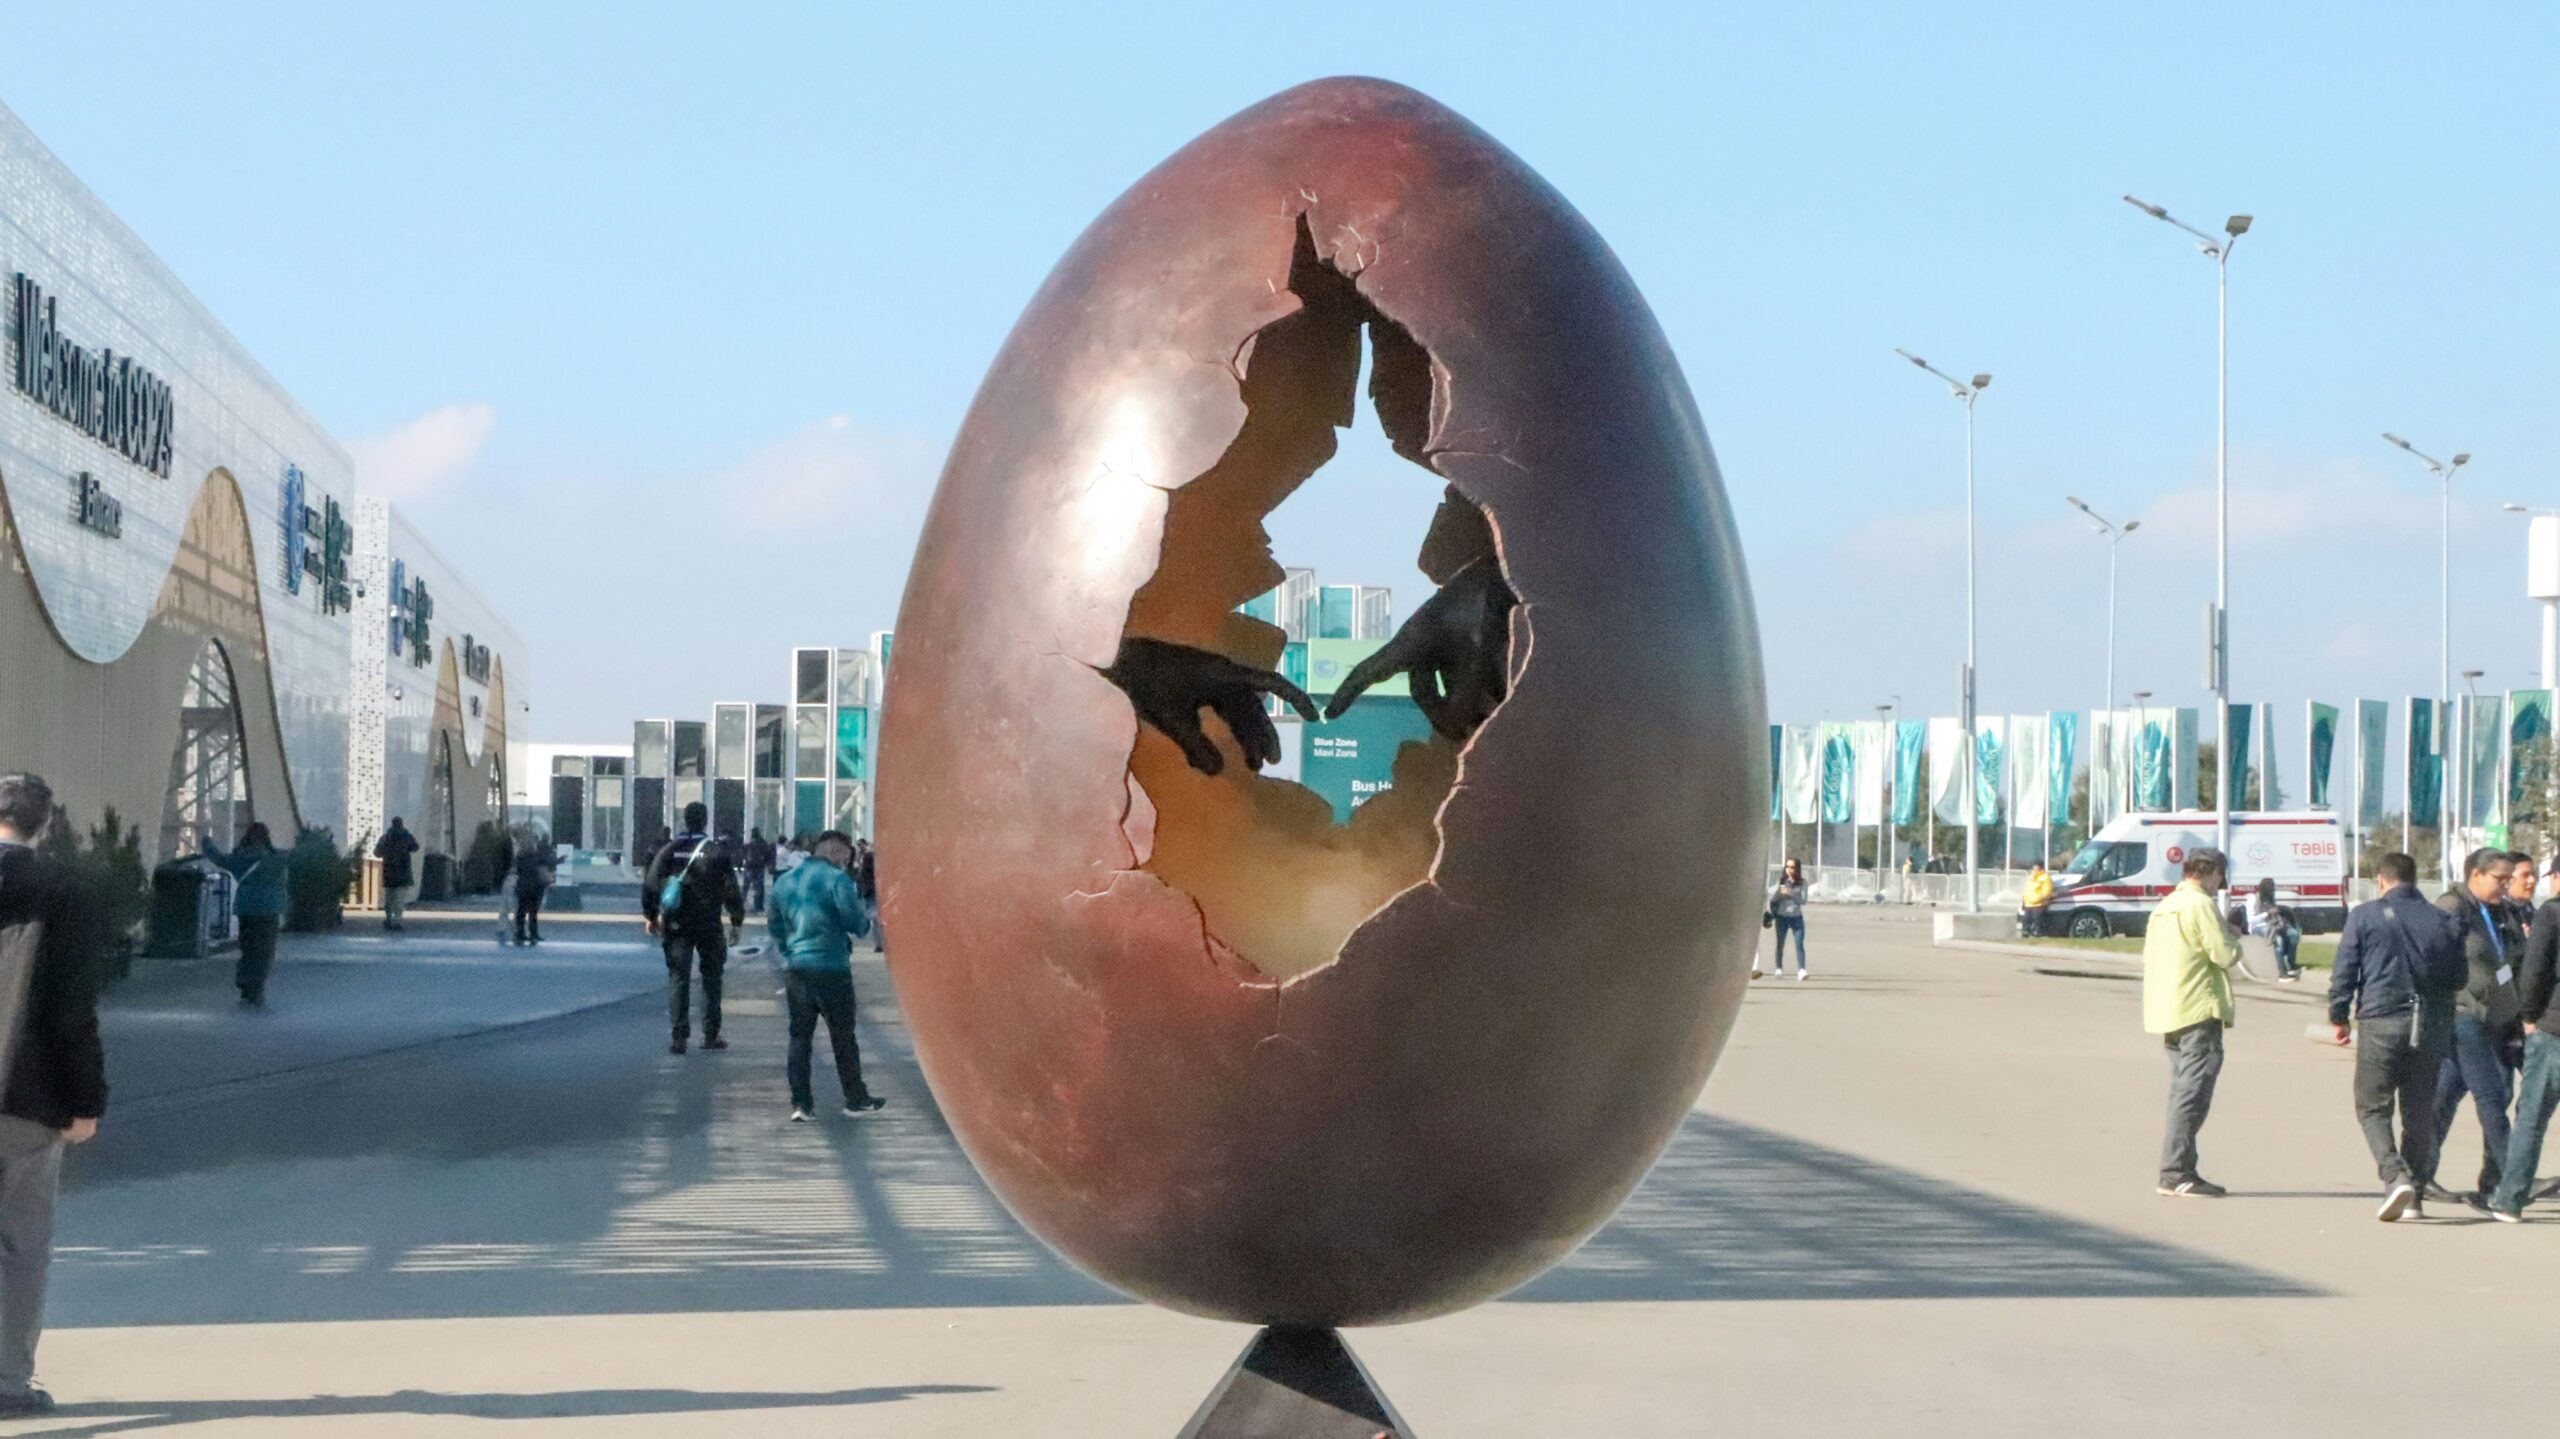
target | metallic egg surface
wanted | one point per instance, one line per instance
(1217, 1049)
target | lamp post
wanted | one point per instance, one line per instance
(1892, 748)
(2219, 632)
(1967, 391)
(2542, 582)
(2443, 471)
(2470, 726)
(2115, 534)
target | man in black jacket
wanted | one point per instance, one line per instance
(2488, 1028)
(2399, 963)
(2538, 1094)
(706, 886)
(57, 1086)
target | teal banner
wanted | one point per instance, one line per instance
(1777, 753)
(2425, 772)
(2153, 762)
(2062, 744)
(1910, 741)
(1987, 770)
(2373, 759)
(1839, 775)
(2235, 757)
(2528, 755)
(2483, 787)
(2324, 746)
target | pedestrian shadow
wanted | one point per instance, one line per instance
(1737, 1212)
(133, 1416)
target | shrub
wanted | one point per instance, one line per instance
(485, 864)
(318, 878)
(110, 892)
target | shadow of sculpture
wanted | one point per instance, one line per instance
(138, 1415)
(1738, 1212)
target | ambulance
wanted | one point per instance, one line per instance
(2111, 885)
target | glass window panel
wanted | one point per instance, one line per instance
(771, 760)
(810, 674)
(853, 744)
(848, 815)
(853, 677)
(809, 761)
(612, 764)
(808, 808)
(729, 808)
(568, 811)
(649, 747)
(569, 764)
(648, 818)
(688, 749)
(688, 791)
(769, 808)
(605, 793)
(729, 751)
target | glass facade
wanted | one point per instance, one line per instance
(853, 744)
(809, 676)
(649, 748)
(772, 758)
(729, 808)
(688, 749)
(809, 750)
(808, 806)
(729, 740)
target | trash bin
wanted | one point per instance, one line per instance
(190, 909)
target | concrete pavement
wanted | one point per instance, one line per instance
(1916, 1199)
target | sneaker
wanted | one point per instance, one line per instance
(799, 1116)
(1800, 974)
(715, 1042)
(2439, 1193)
(27, 1401)
(2288, 979)
(2504, 1215)
(676, 1048)
(867, 1104)
(1757, 971)
(2478, 1202)
(2194, 1188)
(2398, 1200)
(2548, 1191)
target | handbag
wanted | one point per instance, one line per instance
(671, 893)
(1768, 918)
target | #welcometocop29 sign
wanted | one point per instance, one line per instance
(106, 395)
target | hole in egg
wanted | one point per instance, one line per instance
(1279, 878)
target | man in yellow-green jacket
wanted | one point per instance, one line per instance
(2187, 954)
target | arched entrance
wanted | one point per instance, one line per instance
(208, 794)
(440, 835)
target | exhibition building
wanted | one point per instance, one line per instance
(207, 622)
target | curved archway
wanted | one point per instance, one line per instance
(208, 793)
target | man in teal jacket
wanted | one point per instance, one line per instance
(260, 869)
(815, 916)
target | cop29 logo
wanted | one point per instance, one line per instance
(325, 562)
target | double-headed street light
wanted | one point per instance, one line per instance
(2219, 632)
(2443, 471)
(1967, 391)
(2115, 534)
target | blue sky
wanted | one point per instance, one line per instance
(660, 317)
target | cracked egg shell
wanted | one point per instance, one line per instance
(1497, 1054)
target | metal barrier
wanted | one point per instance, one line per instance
(1838, 884)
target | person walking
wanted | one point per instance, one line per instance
(817, 915)
(57, 1073)
(535, 871)
(2538, 1088)
(397, 849)
(757, 866)
(2399, 963)
(259, 906)
(683, 896)
(866, 882)
(1786, 913)
(2488, 1019)
(2273, 923)
(2187, 955)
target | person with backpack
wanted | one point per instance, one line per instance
(689, 885)
(259, 904)
(535, 871)
(817, 915)
(396, 849)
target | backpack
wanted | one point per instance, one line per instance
(671, 893)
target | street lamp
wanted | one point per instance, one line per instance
(2443, 471)
(2542, 582)
(1967, 392)
(1893, 749)
(2115, 534)
(2219, 657)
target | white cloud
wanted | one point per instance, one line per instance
(425, 454)
(831, 470)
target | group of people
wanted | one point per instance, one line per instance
(2444, 1000)
(824, 899)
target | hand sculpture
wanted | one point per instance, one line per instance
(1169, 684)
(1457, 649)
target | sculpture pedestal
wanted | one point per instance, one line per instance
(1296, 1384)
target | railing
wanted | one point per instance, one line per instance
(1837, 884)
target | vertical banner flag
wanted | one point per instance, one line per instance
(1804, 775)
(2423, 770)
(1910, 740)
(1871, 739)
(2103, 781)
(2028, 808)
(2234, 779)
(2061, 762)
(2270, 786)
(2373, 759)
(2528, 755)
(2485, 789)
(1946, 769)
(2187, 728)
(1839, 773)
(1990, 749)
(2319, 750)
(2154, 761)
(1777, 769)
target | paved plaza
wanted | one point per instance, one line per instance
(443, 1188)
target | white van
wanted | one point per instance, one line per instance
(2111, 885)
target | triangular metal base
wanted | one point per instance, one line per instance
(1296, 1384)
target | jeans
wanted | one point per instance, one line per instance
(814, 995)
(2287, 941)
(30, 1176)
(1787, 923)
(2396, 1060)
(2536, 1096)
(684, 952)
(754, 879)
(2195, 1063)
(529, 912)
(395, 898)
(2478, 1066)
(257, 955)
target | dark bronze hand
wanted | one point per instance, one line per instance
(1456, 648)
(1170, 684)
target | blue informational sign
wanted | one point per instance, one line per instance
(1352, 760)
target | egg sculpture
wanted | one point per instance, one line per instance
(1215, 1044)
